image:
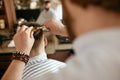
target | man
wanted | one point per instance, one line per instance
(94, 27)
(48, 13)
(38, 57)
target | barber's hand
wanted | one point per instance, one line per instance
(24, 39)
(56, 27)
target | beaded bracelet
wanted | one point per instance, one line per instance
(20, 56)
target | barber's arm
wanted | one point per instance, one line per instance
(56, 27)
(14, 71)
(23, 42)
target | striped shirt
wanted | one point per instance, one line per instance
(40, 65)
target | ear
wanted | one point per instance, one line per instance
(45, 41)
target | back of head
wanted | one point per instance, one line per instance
(111, 5)
(38, 35)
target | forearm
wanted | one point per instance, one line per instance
(14, 71)
(56, 27)
(23, 43)
(64, 32)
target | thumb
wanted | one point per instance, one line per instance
(31, 35)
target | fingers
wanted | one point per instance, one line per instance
(31, 35)
(23, 28)
(29, 30)
(18, 29)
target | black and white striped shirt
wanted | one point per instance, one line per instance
(40, 65)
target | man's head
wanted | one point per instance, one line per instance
(39, 44)
(47, 4)
(82, 16)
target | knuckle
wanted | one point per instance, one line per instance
(24, 32)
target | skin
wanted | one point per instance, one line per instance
(39, 47)
(16, 67)
(83, 21)
(90, 19)
(56, 27)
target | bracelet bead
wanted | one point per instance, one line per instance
(20, 56)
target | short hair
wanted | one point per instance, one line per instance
(111, 5)
(38, 36)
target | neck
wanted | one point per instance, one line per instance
(37, 52)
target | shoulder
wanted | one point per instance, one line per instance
(56, 63)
